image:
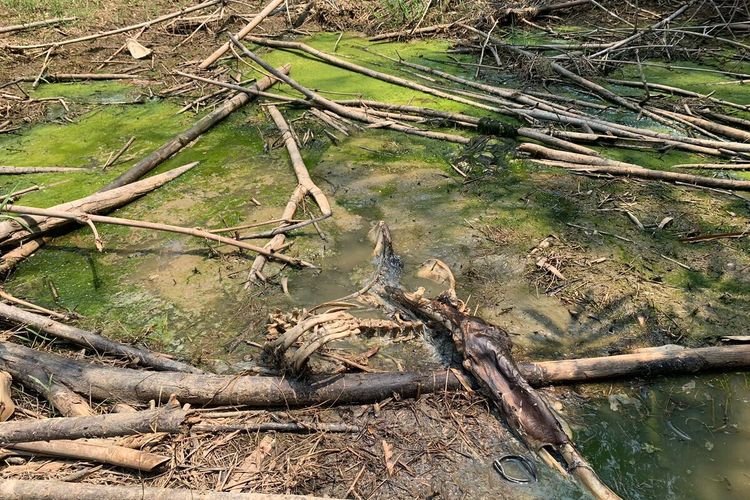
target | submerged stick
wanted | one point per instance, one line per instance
(198, 233)
(93, 341)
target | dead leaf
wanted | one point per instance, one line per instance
(7, 407)
(390, 463)
(137, 50)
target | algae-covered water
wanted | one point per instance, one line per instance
(669, 438)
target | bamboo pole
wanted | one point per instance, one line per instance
(36, 24)
(17, 489)
(305, 186)
(86, 218)
(8, 170)
(242, 34)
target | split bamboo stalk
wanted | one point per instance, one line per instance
(305, 186)
(144, 24)
(108, 453)
(242, 33)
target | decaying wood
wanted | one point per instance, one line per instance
(36, 24)
(12, 232)
(91, 340)
(714, 166)
(175, 144)
(62, 399)
(133, 27)
(140, 386)
(100, 452)
(17, 489)
(305, 186)
(76, 77)
(5, 170)
(411, 32)
(242, 33)
(168, 418)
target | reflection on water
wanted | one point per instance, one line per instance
(683, 437)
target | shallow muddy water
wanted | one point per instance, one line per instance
(673, 438)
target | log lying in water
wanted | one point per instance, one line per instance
(11, 232)
(18, 489)
(91, 340)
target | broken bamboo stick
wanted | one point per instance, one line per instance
(87, 218)
(36, 24)
(108, 453)
(12, 232)
(6, 170)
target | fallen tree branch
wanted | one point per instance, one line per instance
(140, 386)
(106, 453)
(6, 170)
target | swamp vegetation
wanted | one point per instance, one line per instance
(515, 169)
